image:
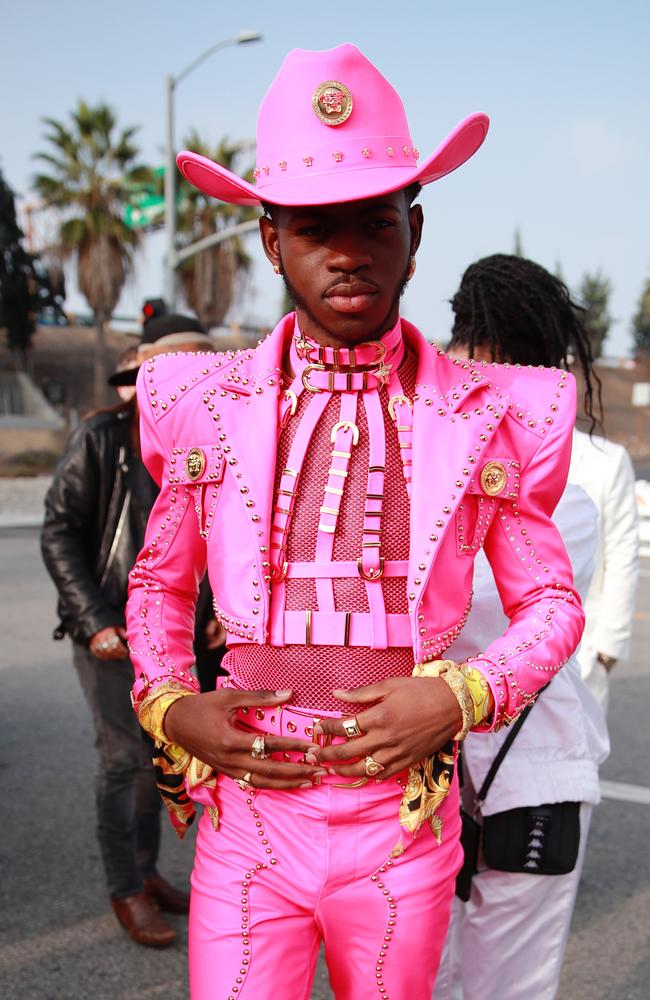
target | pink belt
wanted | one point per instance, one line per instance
(338, 628)
(285, 720)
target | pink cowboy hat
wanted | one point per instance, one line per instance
(332, 129)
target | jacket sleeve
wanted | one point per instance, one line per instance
(164, 583)
(534, 578)
(70, 514)
(610, 633)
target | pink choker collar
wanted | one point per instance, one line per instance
(346, 369)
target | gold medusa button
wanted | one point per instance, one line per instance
(332, 102)
(494, 478)
(195, 463)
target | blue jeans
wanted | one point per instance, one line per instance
(128, 802)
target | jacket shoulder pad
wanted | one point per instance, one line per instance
(164, 379)
(537, 397)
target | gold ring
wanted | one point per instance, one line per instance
(352, 728)
(372, 766)
(258, 749)
(245, 782)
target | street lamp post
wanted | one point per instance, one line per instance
(172, 259)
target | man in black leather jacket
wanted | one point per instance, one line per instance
(96, 511)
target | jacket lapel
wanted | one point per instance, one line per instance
(454, 420)
(249, 421)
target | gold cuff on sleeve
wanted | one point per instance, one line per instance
(454, 678)
(154, 707)
(480, 693)
(177, 771)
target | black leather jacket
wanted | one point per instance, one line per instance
(96, 512)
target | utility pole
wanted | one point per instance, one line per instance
(172, 258)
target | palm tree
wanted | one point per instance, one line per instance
(91, 172)
(212, 279)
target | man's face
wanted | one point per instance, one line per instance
(345, 265)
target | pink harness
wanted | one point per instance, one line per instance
(354, 378)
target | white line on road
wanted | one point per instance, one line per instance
(624, 792)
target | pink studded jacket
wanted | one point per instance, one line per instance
(490, 453)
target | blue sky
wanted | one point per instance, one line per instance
(566, 85)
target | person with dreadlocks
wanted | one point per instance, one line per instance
(337, 481)
(508, 938)
(509, 308)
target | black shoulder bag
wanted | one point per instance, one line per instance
(536, 840)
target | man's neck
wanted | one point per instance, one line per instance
(324, 338)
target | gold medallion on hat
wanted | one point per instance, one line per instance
(494, 478)
(195, 463)
(332, 102)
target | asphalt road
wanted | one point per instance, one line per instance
(58, 941)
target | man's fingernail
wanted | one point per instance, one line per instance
(307, 784)
(282, 694)
(311, 758)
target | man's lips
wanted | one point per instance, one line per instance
(352, 297)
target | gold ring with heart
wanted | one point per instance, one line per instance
(352, 728)
(258, 749)
(372, 766)
(245, 782)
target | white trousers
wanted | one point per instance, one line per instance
(508, 940)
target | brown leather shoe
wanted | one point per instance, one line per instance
(168, 898)
(142, 921)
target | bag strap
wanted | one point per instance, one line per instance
(505, 746)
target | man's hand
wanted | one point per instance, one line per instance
(215, 635)
(109, 643)
(204, 725)
(414, 717)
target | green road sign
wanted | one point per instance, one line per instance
(144, 210)
(146, 206)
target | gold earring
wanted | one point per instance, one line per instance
(277, 269)
(411, 268)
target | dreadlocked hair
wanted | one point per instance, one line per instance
(523, 314)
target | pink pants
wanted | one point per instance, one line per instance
(287, 870)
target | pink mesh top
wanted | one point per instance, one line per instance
(313, 672)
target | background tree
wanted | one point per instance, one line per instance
(212, 279)
(641, 322)
(92, 169)
(17, 286)
(594, 293)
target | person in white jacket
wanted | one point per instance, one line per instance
(509, 939)
(604, 470)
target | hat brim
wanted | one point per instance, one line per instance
(337, 185)
(126, 376)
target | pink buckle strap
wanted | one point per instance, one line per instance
(344, 437)
(340, 570)
(340, 628)
(371, 562)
